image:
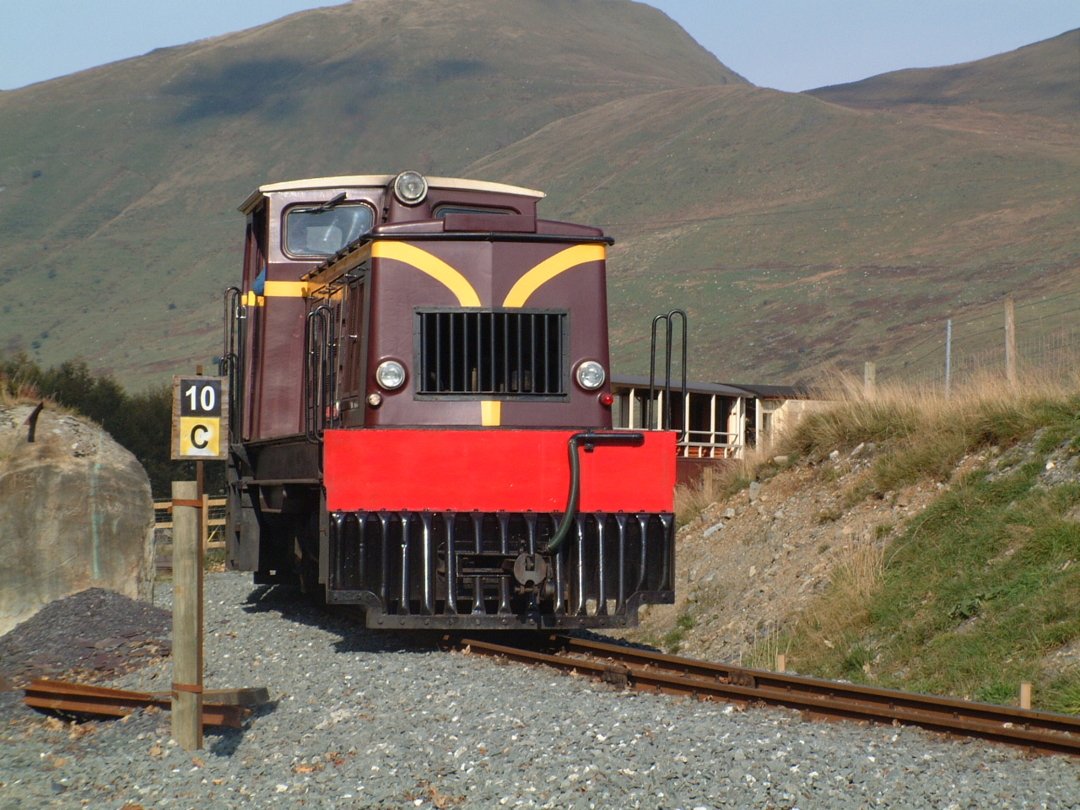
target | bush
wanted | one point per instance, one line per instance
(142, 422)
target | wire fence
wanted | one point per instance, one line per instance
(1046, 341)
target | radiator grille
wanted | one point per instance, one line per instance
(511, 354)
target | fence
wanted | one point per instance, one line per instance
(1040, 334)
(213, 519)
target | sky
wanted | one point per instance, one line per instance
(784, 44)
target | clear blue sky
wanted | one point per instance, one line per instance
(785, 44)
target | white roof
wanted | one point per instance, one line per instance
(380, 180)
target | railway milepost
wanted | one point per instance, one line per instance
(200, 428)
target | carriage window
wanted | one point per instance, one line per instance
(316, 232)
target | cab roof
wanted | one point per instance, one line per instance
(381, 181)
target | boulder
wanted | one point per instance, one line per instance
(75, 513)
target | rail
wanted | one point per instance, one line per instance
(644, 670)
(221, 707)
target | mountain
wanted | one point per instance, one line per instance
(121, 183)
(798, 230)
(1040, 80)
(802, 235)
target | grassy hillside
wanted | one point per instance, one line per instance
(120, 184)
(799, 232)
(904, 540)
(1039, 80)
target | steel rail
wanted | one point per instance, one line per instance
(656, 672)
(86, 699)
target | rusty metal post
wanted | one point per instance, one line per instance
(31, 420)
(187, 691)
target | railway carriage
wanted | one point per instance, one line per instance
(422, 419)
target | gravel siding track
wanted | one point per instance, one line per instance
(365, 720)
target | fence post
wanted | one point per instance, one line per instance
(187, 551)
(948, 358)
(1010, 340)
(869, 379)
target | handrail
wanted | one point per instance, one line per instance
(319, 370)
(230, 364)
(668, 319)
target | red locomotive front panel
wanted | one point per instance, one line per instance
(493, 470)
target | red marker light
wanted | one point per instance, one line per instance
(606, 399)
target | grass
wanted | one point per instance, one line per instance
(672, 641)
(923, 434)
(743, 205)
(972, 595)
(720, 482)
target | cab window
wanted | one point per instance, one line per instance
(318, 232)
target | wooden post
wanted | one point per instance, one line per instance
(948, 358)
(869, 379)
(781, 662)
(1025, 695)
(1010, 340)
(187, 698)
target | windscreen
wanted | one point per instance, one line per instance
(316, 232)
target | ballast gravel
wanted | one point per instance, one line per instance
(359, 720)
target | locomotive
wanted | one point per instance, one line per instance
(421, 422)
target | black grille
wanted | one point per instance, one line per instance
(517, 353)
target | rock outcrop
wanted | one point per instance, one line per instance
(75, 513)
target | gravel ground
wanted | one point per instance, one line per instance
(366, 720)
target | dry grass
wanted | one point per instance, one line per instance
(900, 408)
(17, 392)
(764, 654)
(857, 570)
(926, 433)
(717, 483)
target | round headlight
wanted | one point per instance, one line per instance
(590, 375)
(410, 187)
(390, 374)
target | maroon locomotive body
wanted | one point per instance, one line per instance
(422, 417)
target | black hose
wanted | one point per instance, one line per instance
(590, 440)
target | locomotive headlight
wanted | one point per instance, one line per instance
(410, 187)
(390, 374)
(590, 375)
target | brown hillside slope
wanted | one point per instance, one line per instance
(800, 233)
(120, 184)
(797, 232)
(792, 555)
(1042, 79)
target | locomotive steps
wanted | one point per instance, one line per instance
(902, 541)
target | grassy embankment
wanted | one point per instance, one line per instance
(972, 596)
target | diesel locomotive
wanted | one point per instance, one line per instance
(421, 421)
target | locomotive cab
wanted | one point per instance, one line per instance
(424, 420)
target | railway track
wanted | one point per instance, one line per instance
(626, 667)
